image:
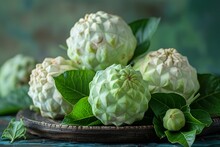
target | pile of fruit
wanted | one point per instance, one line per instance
(110, 78)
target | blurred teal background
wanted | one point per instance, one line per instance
(38, 27)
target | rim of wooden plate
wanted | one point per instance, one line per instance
(53, 129)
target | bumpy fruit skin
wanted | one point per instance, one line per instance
(167, 71)
(43, 91)
(15, 72)
(100, 40)
(174, 120)
(118, 95)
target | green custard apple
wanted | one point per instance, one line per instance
(43, 91)
(99, 40)
(167, 71)
(15, 72)
(119, 95)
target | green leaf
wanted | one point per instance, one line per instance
(74, 85)
(209, 99)
(158, 127)
(161, 102)
(196, 119)
(202, 116)
(95, 123)
(81, 114)
(147, 119)
(184, 138)
(143, 30)
(15, 130)
(193, 124)
(15, 101)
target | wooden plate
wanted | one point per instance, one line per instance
(53, 129)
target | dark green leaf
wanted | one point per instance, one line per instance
(96, 122)
(209, 99)
(74, 84)
(202, 116)
(184, 138)
(158, 127)
(15, 130)
(88, 121)
(81, 114)
(196, 119)
(15, 101)
(143, 30)
(193, 124)
(161, 102)
(147, 120)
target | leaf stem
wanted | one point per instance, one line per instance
(190, 100)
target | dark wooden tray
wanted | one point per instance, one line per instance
(53, 129)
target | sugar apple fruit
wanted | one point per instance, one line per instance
(168, 71)
(100, 40)
(43, 91)
(14, 73)
(118, 95)
(174, 120)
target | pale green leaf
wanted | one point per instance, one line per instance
(15, 130)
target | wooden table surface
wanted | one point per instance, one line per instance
(34, 141)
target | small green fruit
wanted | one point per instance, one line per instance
(174, 120)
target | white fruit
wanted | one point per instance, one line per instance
(43, 91)
(14, 73)
(168, 71)
(100, 40)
